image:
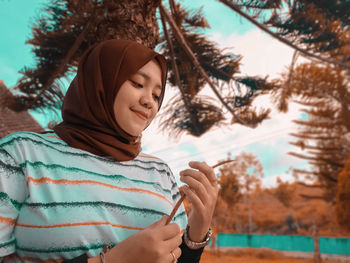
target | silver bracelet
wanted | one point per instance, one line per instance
(196, 245)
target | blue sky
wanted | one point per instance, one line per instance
(261, 56)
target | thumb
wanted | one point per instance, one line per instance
(159, 223)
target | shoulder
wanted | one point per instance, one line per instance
(28, 138)
(21, 145)
(151, 160)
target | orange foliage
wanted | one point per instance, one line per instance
(343, 197)
(271, 216)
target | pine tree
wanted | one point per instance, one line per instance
(324, 91)
(318, 29)
(67, 28)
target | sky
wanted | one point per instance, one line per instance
(262, 56)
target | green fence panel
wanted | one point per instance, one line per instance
(340, 246)
(334, 245)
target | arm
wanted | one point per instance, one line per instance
(151, 245)
(13, 191)
(189, 255)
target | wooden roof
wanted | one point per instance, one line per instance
(11, 121)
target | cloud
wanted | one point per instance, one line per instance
(262, 54)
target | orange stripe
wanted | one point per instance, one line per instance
(51, 136)
(81, 224)
(148, 156)
(8, 220)
(77, 182)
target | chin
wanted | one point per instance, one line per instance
(134, 133)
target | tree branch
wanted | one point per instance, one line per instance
(319, 197)
(319, 159)
(283, 40)
(66, 60)
(197, 65)
(310, 185)
(177, 75)
(325, 175)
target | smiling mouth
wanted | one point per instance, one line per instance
(141, 116)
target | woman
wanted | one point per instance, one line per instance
(67, 194)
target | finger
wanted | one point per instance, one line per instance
(205, 169)
(199, 176)
(160, 222)
(174, 242)
(197, 186)
(169, 231)
(194, 199)
(176, 253)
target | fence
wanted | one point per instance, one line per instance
(328, 245)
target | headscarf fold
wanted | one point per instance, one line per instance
(88, 116)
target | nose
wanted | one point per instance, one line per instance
(146, 100)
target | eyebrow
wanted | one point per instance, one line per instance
(147, 78)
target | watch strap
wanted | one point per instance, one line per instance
(196, 245)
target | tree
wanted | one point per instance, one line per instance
(316, 28)
(343, 197)
(68, 27)
(324, 91)
(284, 192)
(238, 179)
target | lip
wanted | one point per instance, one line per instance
(142, 115)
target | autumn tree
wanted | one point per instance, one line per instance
(323, 135)
(67, 28)
(284, 192)
(237, 180)
(318, 30)
(343, 197)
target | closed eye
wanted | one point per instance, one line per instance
(136, 84)
(156, 97)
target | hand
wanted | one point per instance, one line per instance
(202, 192)
(151, 245)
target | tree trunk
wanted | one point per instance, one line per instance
(133, 20)
(317, 254)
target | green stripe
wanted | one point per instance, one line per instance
(5, 197)
(183, 213)
(114, 177)
(84, 155)
(7, 243)
(10, 169)
(124, 208)
(63, 249)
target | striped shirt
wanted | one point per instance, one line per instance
(58, 202)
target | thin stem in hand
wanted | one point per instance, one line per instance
(182, 198)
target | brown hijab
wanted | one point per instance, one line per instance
(88, 116)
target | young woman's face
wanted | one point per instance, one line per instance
(136, 102)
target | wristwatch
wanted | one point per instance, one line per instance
(196, 245)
